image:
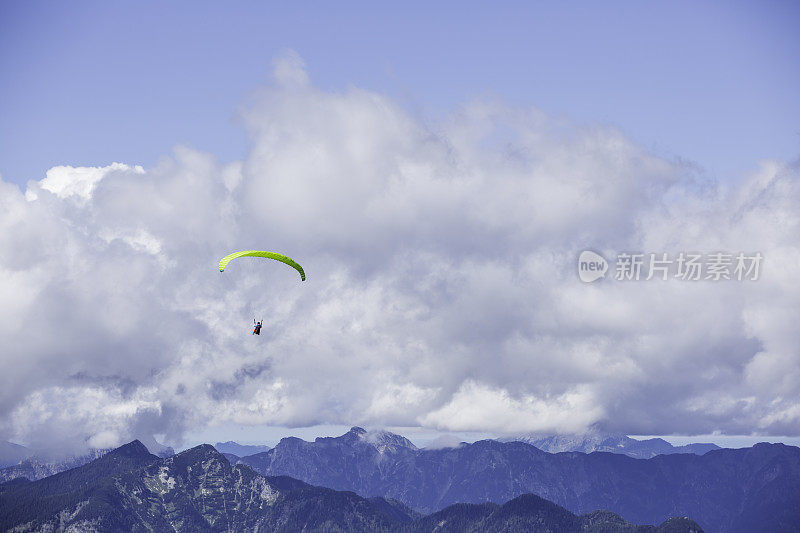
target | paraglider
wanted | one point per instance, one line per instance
(269, 255)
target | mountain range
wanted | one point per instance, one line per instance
(474, 485)
(11, 454)
(19, 461)
(34, 465)
(130, 489)
(39, 467)
(743, 490)
(239, 450)
(612, 443)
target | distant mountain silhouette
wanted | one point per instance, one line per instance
(40, 465)
(11, 454)
(130, 489)
(155, 447)
(750, 489)
(613, 443)
(240, 450)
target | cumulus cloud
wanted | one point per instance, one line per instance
(479, 407)
(78, 182)
(441, 286)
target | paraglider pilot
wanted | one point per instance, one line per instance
(257, 326)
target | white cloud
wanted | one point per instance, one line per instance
(64, 181)
(441, 287)
(476, 407)
(59, 411)
(290, 70)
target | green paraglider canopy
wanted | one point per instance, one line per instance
(269, 255)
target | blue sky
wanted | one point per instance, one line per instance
(89, 83)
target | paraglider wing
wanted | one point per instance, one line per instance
(269, 255)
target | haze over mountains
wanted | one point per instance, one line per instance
(36, 467)
(37, 464)
(613, 443)
(11, 454)
(130, 489)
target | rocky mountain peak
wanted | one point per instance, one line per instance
(384, 440)
(135, 448)
(199, 456)
(201, 452)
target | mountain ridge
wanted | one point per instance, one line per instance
(40, 465)
(130, 489)
(722, 488)
(612, 443)
(240, 450)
